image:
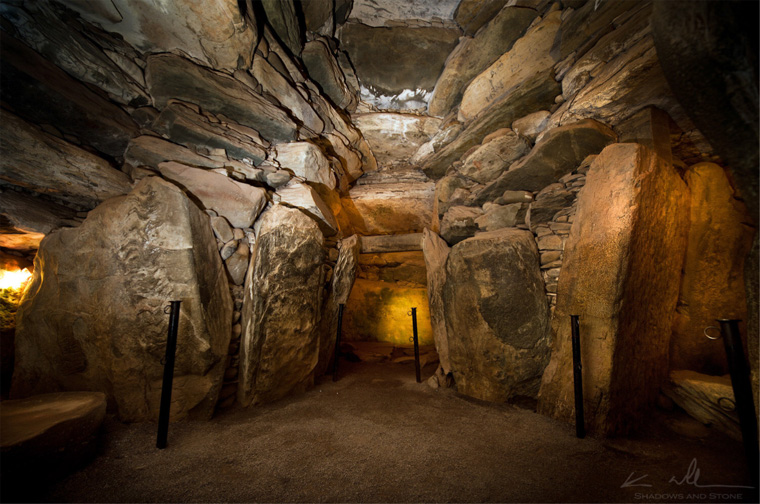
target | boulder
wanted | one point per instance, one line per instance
(237, 202)
(621, 276)
(302, 196)
(536, 93)
(150, 151)
(61, 38)
(317, 15)
(473, 55)
(305, 160)
(713, 275)
(41, 92)
(446, 192)
(46, 164)
(324, 69)
(172, 77)
(283, 299)
(542, 210)
(218, 34)
(435, 251)
(558, 153)
(25, 220)
(237, 264)
(459, 223)
(392, 76)
(472, 14)
(96, 302)
(528, 56)
(393, 137)
(186, 127)
(532, 124)
(492, 158)
(501, 216)
(497, 318)
(277, 85)
(390, 208)
(350, 159)
(281, 15)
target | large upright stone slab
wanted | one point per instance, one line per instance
(281, 309)
(436, 251)
(713, 281)
(93, 315)
(497, 318)
(324, 69)
(621, 276)
(281, 14)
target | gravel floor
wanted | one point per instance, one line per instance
(378, 436)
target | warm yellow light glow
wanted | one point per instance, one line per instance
(14, 279)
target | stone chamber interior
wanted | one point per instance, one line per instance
(499, 165)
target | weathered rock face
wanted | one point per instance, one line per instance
(280, 345)
(473, 55)
(394, 138)
(306, 160)
(529, 55)
(41, 92)
(459, 223)
(494, 157)
(373, 13)
(392, 76)
(713, 281)
(620, 274)
(239, 203)
(556, 154)
(37, 160)
(25, 220)
(215, 33)
(93, 316)
(497, 319)
(472, 14)
(390, 208)
(324, 69)
(302, 196)
(171, 77)
(281, 14)
(436, 252)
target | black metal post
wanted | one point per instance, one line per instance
(416, 345)
(745, 404)
(337, 342)
(580, 423)
(166, 388)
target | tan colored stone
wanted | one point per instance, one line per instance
(390, 208)
(303, 196)
(305, 160)
(436, 251)
(620, 275)
(494, 157)
(713, 283)
(393, 137)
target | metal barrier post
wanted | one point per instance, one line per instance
(580, 423)
(166, 387)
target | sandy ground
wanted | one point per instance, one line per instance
(378, 436)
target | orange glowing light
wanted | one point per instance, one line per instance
(14, 279)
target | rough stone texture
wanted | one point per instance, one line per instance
(390, 208)
(392, 76)
(713, 282)
(436, 252)
(559, 152)
(350, 159)
(305, 160)
(171, 77)
(150, 151)
(237, 264)
(239, 203)
(473, 55)
(497, 319)
(341, 284)
(276, 84)
(283, 299)
(93, 315)
(281, 14)
(532, 124)
(302, 196)
(215, 33)
(494, 157)
(709, 399)
(391, 243)
(25, 220)
(317, 15)
(501, 216)
(324, 69)
(459, 223)
(380, 311)
(186, 127)
(536, 93)
(61, 38)
(620, 274)
(374, 13)
(527, 57)
(472, 14)
(46, 164)
(41, 92)
(394, 138)
(542, 210)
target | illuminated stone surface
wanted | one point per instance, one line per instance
(281, 309)
(96, 303)
(713, 282)
(435, 251)
(494, 157)
(621, 276)
(472, 14)
(324, 69)
(26, 220)
(395, 138)
(390, 208)
(303, 196)
(497, 319)
(305, 160)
